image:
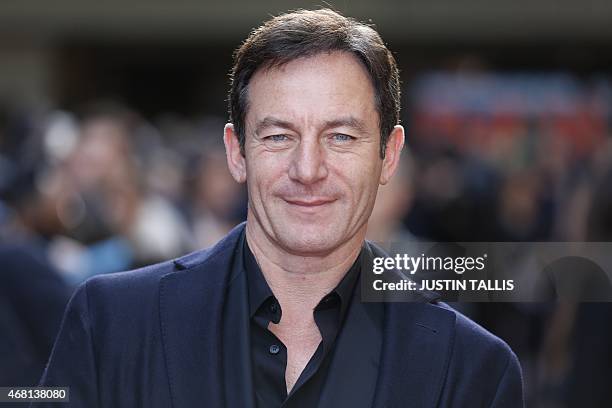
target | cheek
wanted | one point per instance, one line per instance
(263, 174)
(359, 177)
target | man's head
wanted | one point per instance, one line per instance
(314, 104)
(306, 33)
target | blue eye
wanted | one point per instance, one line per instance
(277, 138)
(340, 137)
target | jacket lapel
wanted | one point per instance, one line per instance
(417, 337)
(417, 343)
(191, 306)
(353, 371)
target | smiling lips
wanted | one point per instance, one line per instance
(309, 203)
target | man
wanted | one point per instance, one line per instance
(272, 315)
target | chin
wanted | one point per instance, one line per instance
(309, 239)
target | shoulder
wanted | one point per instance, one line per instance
(480, 360)
(473, 349)
(136, 284)
(119, 300)
(471, 338)
(466, 336)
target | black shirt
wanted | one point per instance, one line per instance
(344, 374)
(269, 354)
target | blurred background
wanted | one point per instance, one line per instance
(111, 118)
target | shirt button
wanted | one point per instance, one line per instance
(274, 349)
(274, 308)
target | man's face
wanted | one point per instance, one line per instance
(312, 153)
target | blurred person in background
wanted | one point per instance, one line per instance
(33, 294)
(454, 196)
(591, 342)
(523, 214)
(393, 203)
(217, 202)
(575, 360)
(128, 225)
(583, 350)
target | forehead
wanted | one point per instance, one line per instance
(313, 90)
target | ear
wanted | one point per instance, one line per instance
(235, 160)
(395, 143)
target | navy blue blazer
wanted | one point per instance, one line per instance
(152, 338)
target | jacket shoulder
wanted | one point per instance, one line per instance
(475, 337)
(117, 296)
(141, 277)
(138, 288)
(482, 365)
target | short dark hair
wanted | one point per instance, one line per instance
(305, 33)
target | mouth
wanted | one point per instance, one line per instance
(309, 203)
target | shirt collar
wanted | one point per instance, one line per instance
(260, 292)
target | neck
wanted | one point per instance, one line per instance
(380, 232)
(299, 281)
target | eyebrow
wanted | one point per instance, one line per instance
(270, 121)
(347, 121)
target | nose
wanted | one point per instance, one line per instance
(308, 164)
